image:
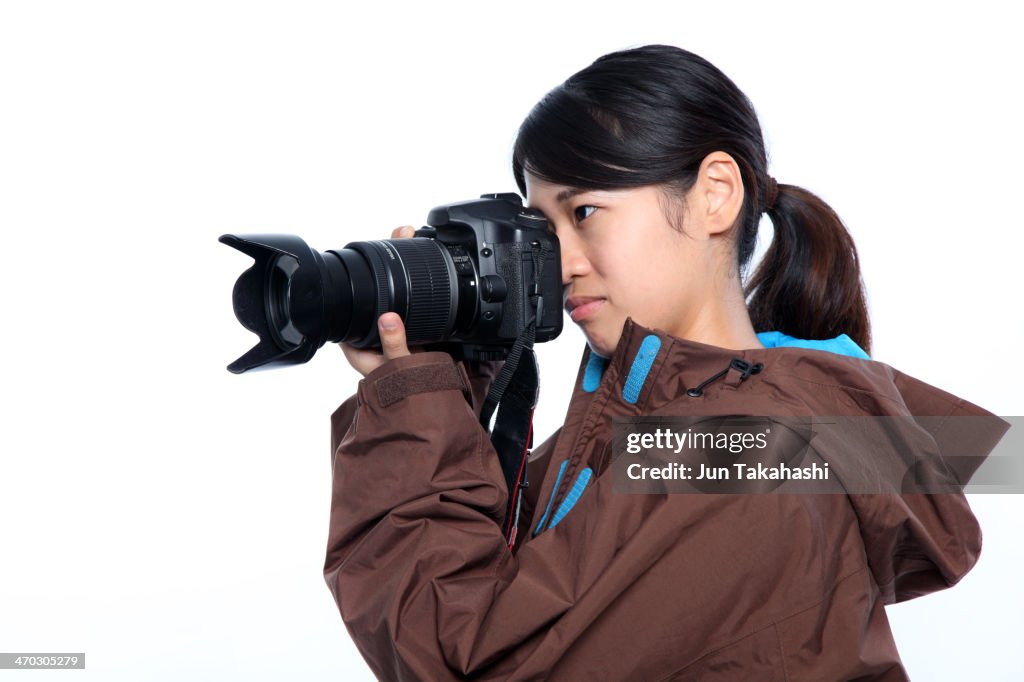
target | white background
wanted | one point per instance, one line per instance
(170, 519)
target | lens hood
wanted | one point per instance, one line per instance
(286, 275)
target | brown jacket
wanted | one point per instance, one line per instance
(620, 586)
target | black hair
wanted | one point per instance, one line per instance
(649, 116)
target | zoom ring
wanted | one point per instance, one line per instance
(430, 298)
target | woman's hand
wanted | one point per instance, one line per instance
(390, 328)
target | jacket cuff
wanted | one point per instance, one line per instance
(424, 372)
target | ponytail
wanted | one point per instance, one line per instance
(808, 284)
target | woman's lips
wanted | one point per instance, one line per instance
(585, 310)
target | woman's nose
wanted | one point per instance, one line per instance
(574, 261)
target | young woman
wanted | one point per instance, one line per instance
(650, 166)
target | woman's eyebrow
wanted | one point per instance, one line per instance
(568, 193)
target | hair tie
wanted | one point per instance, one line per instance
(771, 193)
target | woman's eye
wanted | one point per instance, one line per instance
(584, 212)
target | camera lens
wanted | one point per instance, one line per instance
(296, 299)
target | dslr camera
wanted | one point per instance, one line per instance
(470, 282)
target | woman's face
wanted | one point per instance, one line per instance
(621, 257)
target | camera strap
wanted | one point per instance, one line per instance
(514, 393)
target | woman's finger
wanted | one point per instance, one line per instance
(392, 336)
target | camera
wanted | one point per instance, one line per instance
(470, 282)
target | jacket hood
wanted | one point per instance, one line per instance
(915, 543)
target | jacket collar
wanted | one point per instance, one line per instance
(645, 357)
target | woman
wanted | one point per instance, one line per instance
(650, 166)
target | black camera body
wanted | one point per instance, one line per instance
(470, 283)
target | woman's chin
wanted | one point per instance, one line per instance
(602, 336)
(600, 347)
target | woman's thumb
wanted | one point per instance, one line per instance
(392, 336)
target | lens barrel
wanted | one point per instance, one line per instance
(412, 277)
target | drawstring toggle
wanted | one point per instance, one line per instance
(742, 366)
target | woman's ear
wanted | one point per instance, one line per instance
(718, 192)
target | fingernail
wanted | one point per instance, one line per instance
(388, 322)
(408, 231)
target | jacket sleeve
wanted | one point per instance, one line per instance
(480, 374)
(416, 559)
